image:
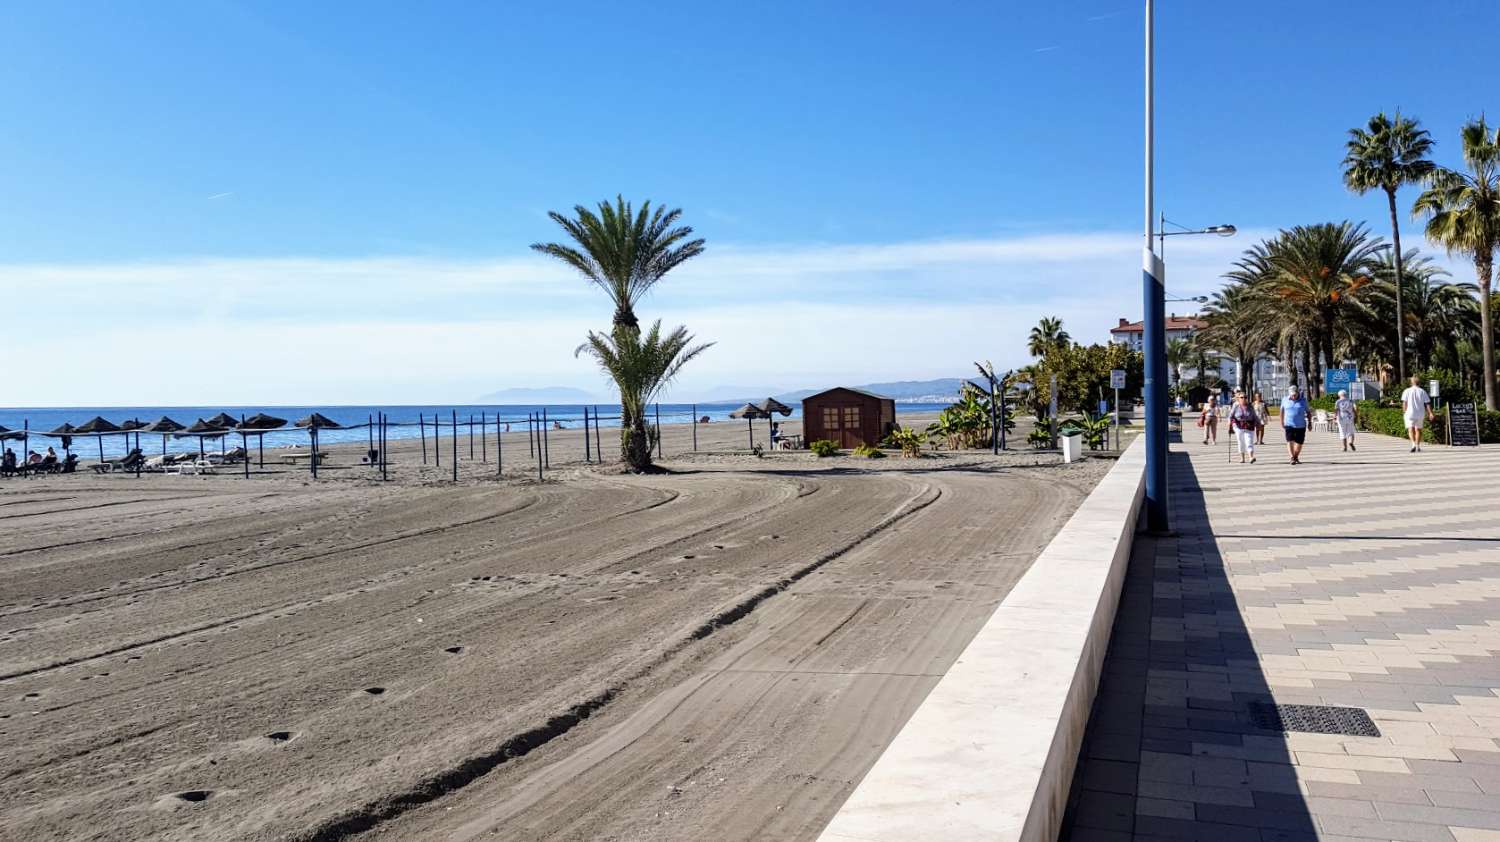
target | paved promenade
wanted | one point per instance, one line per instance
(1366, 580)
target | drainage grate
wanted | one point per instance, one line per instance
(1313, 719)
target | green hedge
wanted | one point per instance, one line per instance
(1390, 421)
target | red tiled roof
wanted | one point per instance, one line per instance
(1173, 323)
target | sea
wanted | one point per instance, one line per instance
(404, 422)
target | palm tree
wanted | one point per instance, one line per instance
(1438, 313)
(1047, 334)
(624, 252)
(1387, 155)
(1179, 354)
(1314, 273)
(1463, 215)
(1237, 326)
(641, 365)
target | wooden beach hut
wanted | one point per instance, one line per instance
(848, 417)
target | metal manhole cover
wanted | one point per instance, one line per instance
(1313, 719)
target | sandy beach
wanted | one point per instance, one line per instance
(718, 651)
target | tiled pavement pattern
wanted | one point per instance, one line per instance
(1368, 580)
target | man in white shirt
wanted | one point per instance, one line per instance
(1416, 406)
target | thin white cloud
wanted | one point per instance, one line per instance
(408, 329)
(1047, 49)
(221, 195)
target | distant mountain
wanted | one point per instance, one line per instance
(904, 391)
(541, 394)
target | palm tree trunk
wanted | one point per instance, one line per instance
(1485, 268)
(635, 441)
(1400, 282)
(1307, 368)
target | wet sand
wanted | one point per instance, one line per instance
(720, 651)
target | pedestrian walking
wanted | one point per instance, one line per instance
(1416, 407)
(1262, 417)
(1294, 424)
(1242, 424)
(1348, 413)
(1208, 419)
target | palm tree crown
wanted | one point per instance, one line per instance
(1463, 216)
(624, 251)
(1047, 334)
(1387, 154)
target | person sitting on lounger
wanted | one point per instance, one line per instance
(70, 464)
(8, 462)
(49, 462)
(33, 459)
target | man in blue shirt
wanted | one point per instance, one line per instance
(1294, 422)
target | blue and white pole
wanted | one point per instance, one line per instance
(1153, 327)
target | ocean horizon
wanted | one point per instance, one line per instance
(406, 421)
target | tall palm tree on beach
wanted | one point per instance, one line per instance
(641, 364)
(1047, 334)
(623, 251)
(1387, 155)
(1463, 216)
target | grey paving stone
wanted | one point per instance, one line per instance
(1486, 819)
(1377, 829)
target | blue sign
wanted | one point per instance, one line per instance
(1103, 407)
(1335, 379)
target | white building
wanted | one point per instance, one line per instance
(1133, 334)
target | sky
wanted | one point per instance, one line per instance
(284, 203)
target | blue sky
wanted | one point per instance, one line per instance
(337, 197)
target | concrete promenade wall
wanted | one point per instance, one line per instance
(989, 755)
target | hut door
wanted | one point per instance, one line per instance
(850, 432)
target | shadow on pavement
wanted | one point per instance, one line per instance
(1171, 751)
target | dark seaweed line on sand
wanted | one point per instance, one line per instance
(371, 815)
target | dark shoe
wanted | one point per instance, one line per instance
(1352, 447)
(1413, 449)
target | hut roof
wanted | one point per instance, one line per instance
(95, 426)
(317, 421)
(162, 425)
(770, 405)
(847, 389)
(203, 428)
(261, 421)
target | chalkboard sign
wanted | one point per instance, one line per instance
(1463, 425)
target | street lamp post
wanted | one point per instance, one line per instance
(1154, 310)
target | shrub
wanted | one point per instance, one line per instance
(824, 447)
(869, 452)
(1039, 437)
(910, 441)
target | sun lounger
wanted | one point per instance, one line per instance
(297, 456)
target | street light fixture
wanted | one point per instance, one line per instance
(1162, 233)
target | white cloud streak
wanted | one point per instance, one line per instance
(411, 330)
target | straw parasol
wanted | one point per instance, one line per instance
(66, 433)
(166, 427)
(258, 425)
(99, 428)
(313, 423)
(202, 429)
(750, 412)
(224, 419)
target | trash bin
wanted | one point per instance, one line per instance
(1072, 447)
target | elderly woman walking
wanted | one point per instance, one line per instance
(1347, 412)
(1262, 415)
(1209, 420)
(1242, 424)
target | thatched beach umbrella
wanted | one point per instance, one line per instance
(313, 423)
(258, 425)
(202, 429)
(771, 407)
(166, 427)
(98, 428)
(750, 412)
(66, 433)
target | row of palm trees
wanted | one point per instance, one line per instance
(1333, 291)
